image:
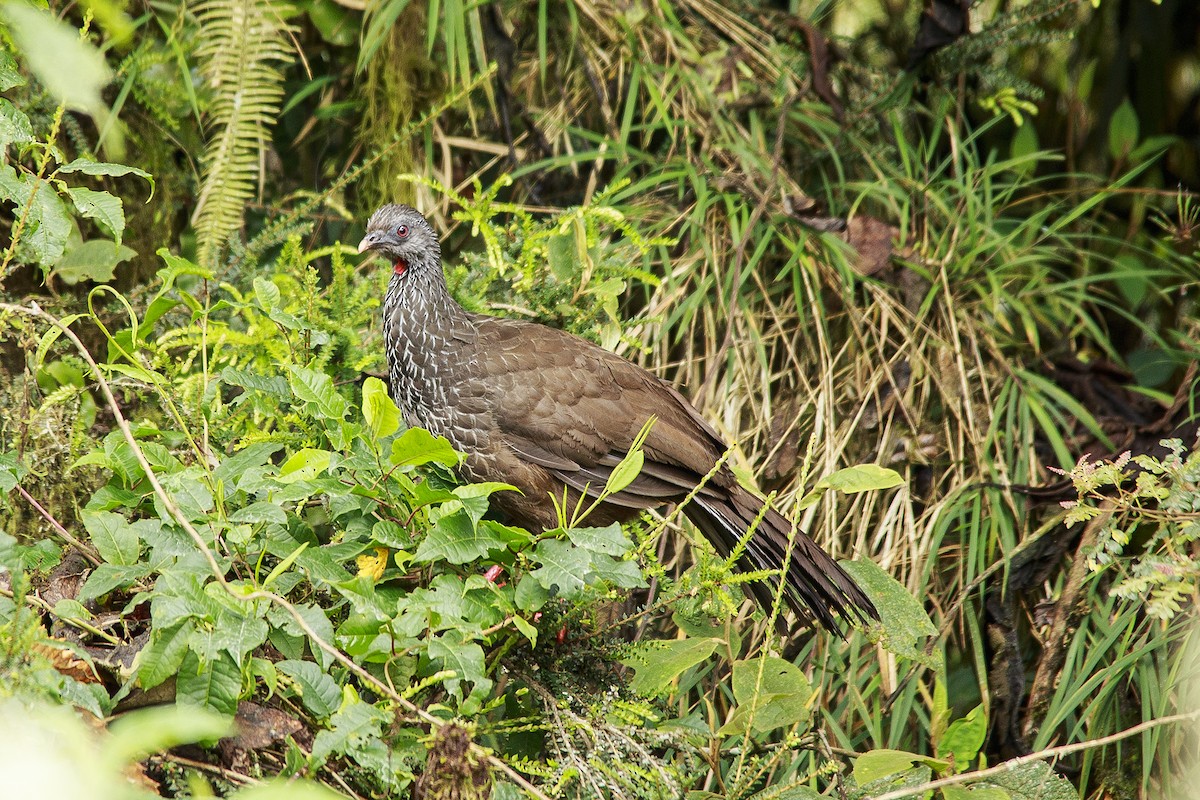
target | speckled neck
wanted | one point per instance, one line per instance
(421, 324)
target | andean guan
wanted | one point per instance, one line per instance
(550, 413)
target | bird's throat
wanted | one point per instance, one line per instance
(400, 267)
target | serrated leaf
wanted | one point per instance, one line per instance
(563, 568)
(107, 577)
(102, 207)
(458, 540)
(381, 414)
(14, 125)
(770, 693)
(624, 574)
(1032, 781)
(47, 224)
(903, 621)
(876, 764)
(657, 664)
(464, 658)
(318, 691)
(317, 390)
(162, 655)
(215, 684)
(87, 166)
(114, 539)
(95, 260)
(268, 294)
(610, 540)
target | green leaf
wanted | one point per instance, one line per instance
(964, 737)
(973, 793)
(381, 414)
(464, 658)
(625, 574)
(14, 125)
(316, 389)
(268, 294)
(861, 478)
(625, 472)
(162, 655)
(563, 568)
(418, 446)
(770, 693)
(1032, 781)
(115, 539)
(215, 684)
(319, 692)
(107, 577)
(10, 76)
(658, 663)
(903, 621)
(102, 207)
(71, 68)
(142, 732)
(610, 540)
(876, 764)
(304, 465)
(458, 540)
(95, 260)
(87, 166)
(1122, 131)
(47, 222)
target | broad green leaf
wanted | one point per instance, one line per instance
(876, 764)
(268, 294)
(253, 455)
(215, 684)
(625, 574)
(610, 540)
(70, 68)
(381, 414)
(304, 465)
(115, 539)
(964, 737)
(10, 76)
(260, 512)
(903, 621)
(317, 390)
(563, 568)
(95, 260)
(236, 634)
(106, 577)
(974, 792)
(530, 595)
(418, 446)
(140, 733)
(319, 692)
(464, 658)
(47, 224)
(14, 125)
(1032, 781)
(455, 538)
(102, 207)
(161, 657)
(770, 693)
(861, 478)
(658, 663)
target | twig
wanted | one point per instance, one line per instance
(84, 550)
(1051, 752)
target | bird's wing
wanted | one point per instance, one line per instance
(575, 409)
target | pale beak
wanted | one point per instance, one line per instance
(369, 241)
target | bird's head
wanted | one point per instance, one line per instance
(405, 238)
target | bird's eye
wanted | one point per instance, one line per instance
(402, 231)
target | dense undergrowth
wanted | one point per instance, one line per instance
(210, 500)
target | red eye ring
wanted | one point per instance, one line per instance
(402, 231)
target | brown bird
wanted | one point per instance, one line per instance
(548, 413)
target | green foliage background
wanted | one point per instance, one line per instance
(972, 271)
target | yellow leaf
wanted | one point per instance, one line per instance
(373, 566)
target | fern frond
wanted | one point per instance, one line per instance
(241, 41)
